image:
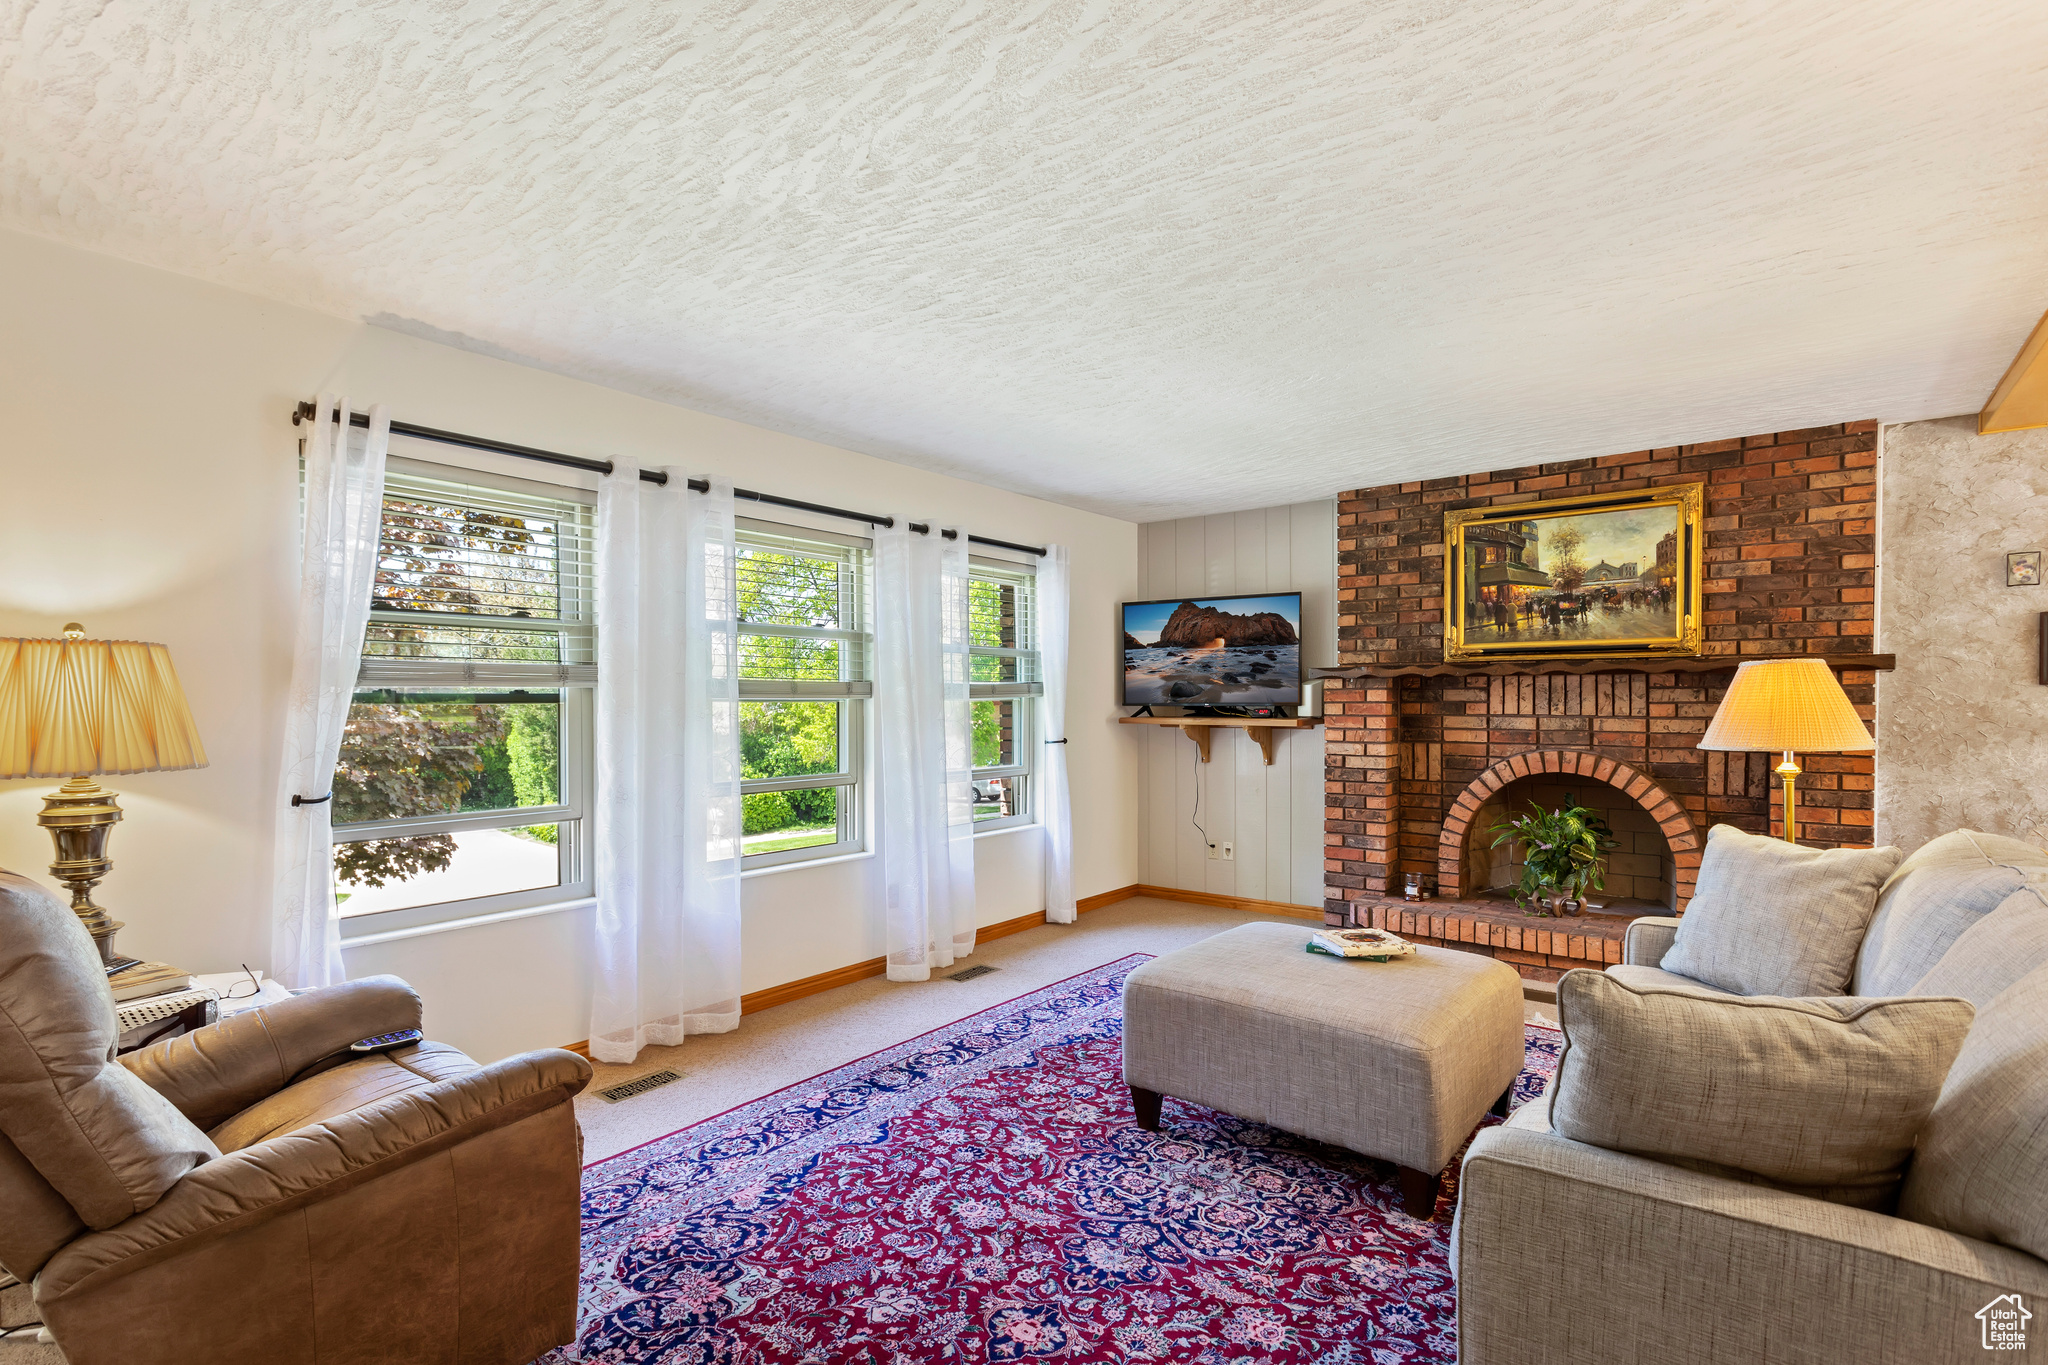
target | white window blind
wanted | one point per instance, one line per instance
(1002, 634)
(803, 612)
(481, 582)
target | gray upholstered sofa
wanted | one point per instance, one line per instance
(1570, 1253)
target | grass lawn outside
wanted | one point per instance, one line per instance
(776, 840)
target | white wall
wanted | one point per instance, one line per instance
(1274, 815)
(1963, 720)
(148, 466)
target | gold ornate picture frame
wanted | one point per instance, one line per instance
(1599, 576)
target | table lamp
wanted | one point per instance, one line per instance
(1787, 706)
(77, 708)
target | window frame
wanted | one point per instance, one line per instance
(572, 677)
(1020, 773)
(851, 693)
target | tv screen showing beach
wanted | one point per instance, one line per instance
(1213, 651)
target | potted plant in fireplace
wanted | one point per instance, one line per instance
(1560, 856)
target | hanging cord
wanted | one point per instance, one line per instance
(1196, 818)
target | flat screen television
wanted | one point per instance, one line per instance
(1241, 650)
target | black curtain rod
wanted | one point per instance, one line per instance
(306, 412)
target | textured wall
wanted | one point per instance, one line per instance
(1154, 258)
(1965, 719)
(1273, 815)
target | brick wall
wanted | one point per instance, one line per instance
(1790, 568)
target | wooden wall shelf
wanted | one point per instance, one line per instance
(1711, 663)
(1197, 728)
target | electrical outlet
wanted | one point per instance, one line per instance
(1213, 855)
(1230, 853)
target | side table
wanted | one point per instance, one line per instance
(157, 1017)
(153, 1017)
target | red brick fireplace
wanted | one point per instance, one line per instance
(1423, 756)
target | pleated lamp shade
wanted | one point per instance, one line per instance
(75, 707)
(1787, 705)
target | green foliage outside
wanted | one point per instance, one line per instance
(523, 769)
(410, 758)
(407, 760)
(790, 738)
(991, 623)
(988, 734)
(991, 613)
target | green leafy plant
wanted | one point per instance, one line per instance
(1560, 853)
(399, 760)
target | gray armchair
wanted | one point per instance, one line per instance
(1566, 1252)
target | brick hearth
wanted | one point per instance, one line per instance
(1541, 949)
(1789, 557)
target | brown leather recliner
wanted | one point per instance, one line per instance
(254, 1192)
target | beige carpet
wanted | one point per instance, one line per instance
(15, 1308)
(793, 1042)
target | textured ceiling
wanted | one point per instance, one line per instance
(1151, 259)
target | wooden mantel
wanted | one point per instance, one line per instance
(1199, 728)
(1707, 663)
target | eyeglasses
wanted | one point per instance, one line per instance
(241, 992)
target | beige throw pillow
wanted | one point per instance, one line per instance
(1995, 952)
(1772, 918)
(1820, 1096)
(1943, 888)
(1981, 1169)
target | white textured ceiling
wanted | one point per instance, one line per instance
(1151, 259)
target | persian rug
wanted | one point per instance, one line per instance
(981, 1193)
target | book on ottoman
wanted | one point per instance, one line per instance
(1374, 945)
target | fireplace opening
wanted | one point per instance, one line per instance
(1640, 871)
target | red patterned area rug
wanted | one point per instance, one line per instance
(982, 1194)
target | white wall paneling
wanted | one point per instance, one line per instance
(1274, 815)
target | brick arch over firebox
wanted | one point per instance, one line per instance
(1670, 814)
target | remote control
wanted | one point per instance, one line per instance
(384, 1042)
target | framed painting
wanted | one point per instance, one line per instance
(1604, 576)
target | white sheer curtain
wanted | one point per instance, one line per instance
(337, 561)
(924, 726)
(667, 802)
(1052, 768)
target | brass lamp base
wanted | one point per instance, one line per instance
(1789, 772)
(80, 815)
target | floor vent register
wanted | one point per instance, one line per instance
(639, 1085)
(970, 974)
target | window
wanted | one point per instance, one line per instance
(804, 652)
(464, 761)
(1004, 682)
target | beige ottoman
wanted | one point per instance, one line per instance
(1396, 1060)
